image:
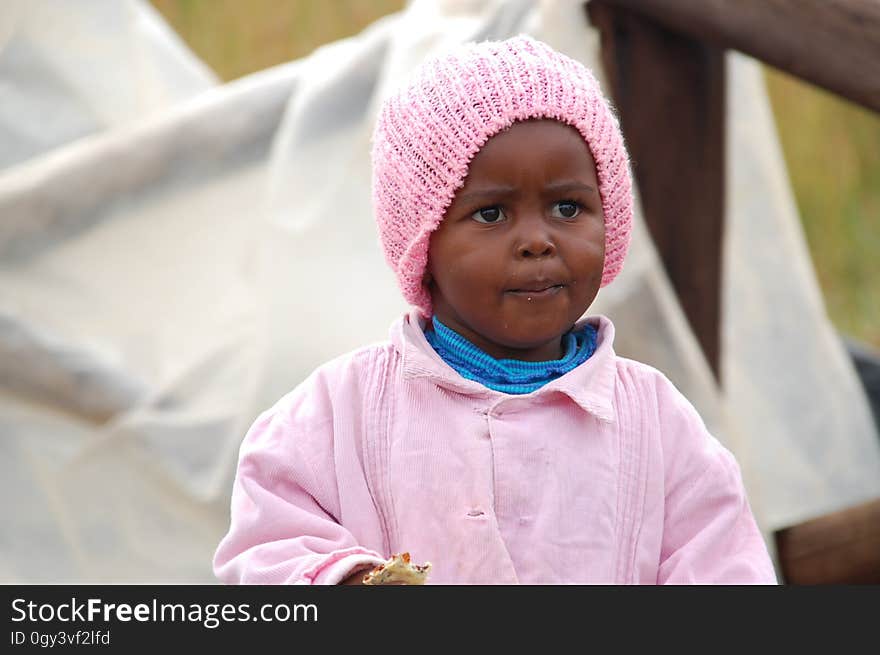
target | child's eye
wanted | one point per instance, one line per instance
(566, 209)
(488, 215)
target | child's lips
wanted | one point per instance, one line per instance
(539, 291)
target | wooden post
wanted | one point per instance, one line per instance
(669, 91)
(838, 548)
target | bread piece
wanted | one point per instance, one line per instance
(398, 569)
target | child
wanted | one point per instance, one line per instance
(495, 435)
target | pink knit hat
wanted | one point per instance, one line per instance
(427, 134)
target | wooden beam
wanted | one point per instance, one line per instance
(832, 43)
(669, 93)
(838, 548)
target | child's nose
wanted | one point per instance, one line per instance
(536, 248)
(535, 241)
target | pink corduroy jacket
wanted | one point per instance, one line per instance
(605, 475)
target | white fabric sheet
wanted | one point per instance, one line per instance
(69, 68)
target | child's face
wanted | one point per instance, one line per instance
(519, 254)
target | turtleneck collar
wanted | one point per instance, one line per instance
(511, 376)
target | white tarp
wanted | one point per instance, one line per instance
(69, 68)
(162, 283)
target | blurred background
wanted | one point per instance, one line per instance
(831, 146)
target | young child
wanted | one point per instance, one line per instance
(496, 435)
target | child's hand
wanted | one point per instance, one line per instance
(357, 577)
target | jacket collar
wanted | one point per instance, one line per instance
(590, 385)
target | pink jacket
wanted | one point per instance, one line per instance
(605, 475)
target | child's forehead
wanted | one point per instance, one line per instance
(523, 140)
(528, 160)
(520, 131)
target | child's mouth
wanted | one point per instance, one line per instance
(538, 293)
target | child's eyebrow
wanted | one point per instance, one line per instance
(557, 187)
(507, 191)
(493, 192)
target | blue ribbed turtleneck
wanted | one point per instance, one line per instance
(511, 376)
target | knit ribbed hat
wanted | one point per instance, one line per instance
(428, 132)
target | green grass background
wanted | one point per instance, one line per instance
(832, 147)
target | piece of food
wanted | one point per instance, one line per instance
(398, 569)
